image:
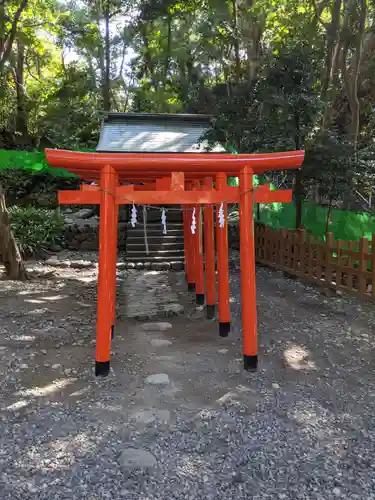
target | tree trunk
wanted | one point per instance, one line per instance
(107, 60)
(298, 177)
(351, 74)
(236, 40)
(332, 41)
(7, 38)
(169, 47)
(10, 255)
(21, 116)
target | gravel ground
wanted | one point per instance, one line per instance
(302, 427)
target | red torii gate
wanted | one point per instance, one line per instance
(185, 179)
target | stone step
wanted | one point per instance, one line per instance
(155, 234)
(156, 239)
(156, 265)
(139, 245)
(158, 225)
(143, 257)
(163, 254)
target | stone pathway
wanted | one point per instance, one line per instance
(152, 294)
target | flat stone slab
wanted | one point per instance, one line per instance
(157, 379)
(160, 342)
(174, 309)
(136, 458)
(156, 327)
(150, 416)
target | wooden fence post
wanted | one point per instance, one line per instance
(340, 245)
(362, 261)
(283, 248)
(328, 266)
(302, 253)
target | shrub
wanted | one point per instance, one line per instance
(36, 229)
(39, 188)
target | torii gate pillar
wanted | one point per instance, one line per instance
(107, 270)
(247, 260)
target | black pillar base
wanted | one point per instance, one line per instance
(102, 368)
(191, 287)
(224, 329)
(250, 363)
(199, 298)
(210, 312)
(112, 332)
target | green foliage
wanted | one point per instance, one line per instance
(36, 229)
(27, 179)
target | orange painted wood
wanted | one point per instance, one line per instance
(107, 237)
(163, 184)
(177, 181)
(126, 195)
(209, 248)
(114, 262)
(88, 187)
(169, 162)
(248, 285)
(187, 252)
(222, 254)
(198, 250)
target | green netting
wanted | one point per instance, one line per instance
(344, 224)
(33, 161)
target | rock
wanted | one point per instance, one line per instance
(24, 366)
(275, 386)
(222, 351)
(174, 309)
(160, 342)
(158, 379)
(336, 492)
(156, 327)
(89, 245)
(55, 248)
(177, 266)
(64, 263)
(84, 213)
(56, 366)
(53, 261)
(278, 282)
(160, 266)
(238, 477)
(150, 416)
(81, 264)
(136, 458)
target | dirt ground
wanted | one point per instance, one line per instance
(301, 427)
